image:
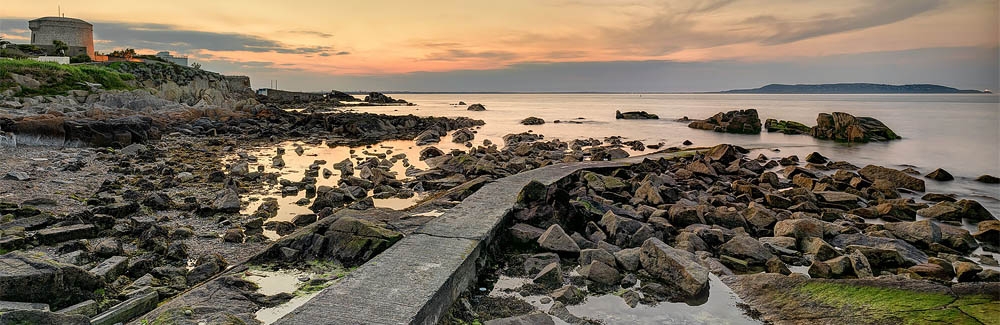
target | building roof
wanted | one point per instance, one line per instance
(61, 19)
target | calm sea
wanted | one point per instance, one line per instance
(960, 133)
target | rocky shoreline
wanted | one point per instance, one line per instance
(141, 213)
(651, 234)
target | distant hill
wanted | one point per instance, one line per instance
(852, 88)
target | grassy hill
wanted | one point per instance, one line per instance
(57, 79)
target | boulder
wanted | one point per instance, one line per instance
(226, 201)
(525, 234)
(940, 175)
(816, 158)
(590, 255)
(746, 248)
(725, 153)
(738, 121)
(568, 295)
(477, 107)
(988, 179)
(628, 259)
(550, 276)
(945, 211)
(920, 233)
(636, 115)
(887, 248)
(354, 241)
(799, 229)
(556, 240)
(677, 269)
(973, 210)
(462, 136)
(819, 249)
(989, 234)
(845, 127)
(896, 178)
(427, 137)
(532, 121)
(601, 273)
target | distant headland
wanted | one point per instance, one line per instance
(854, 88)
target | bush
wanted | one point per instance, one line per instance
(31, 49)
(82, 58)
(57, 78)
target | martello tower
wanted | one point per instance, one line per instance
(72, 31)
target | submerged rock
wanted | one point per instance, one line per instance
(532, 121)
(637, 115)
(988, 179)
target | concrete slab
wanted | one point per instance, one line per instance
(416, 280)
(412, 282)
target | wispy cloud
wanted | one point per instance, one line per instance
(310, 33)
(872, 15)
(453, 54)
(162, 36)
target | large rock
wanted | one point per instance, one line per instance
(27, 278)
(940, 175)
(462, 136)
(746, 248)
(946, 211)
(677, 269)
(532, 121)
(427, 137)
(897, 178)
(920, 233)
(227, 201)
(354, 241)
(740, 121)
(909, 254)
(556, 240)
(637, 115)
(845, 127)
(477, 107)
(799, 229)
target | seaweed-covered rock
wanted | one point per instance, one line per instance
(786, 127)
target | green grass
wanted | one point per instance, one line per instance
(57, 79)
(903, 306)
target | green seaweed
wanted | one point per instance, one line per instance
(891, 305)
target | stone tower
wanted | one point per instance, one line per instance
(72, 31)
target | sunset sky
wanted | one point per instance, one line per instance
(554, 45)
